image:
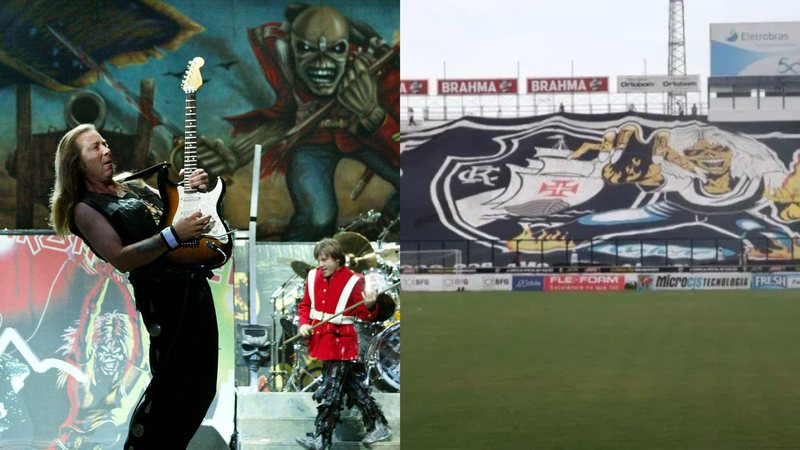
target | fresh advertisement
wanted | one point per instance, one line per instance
(776, 280)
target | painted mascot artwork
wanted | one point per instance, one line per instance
(606, 190)
(316, 85)
(336, 85)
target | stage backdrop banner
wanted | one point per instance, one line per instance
(73, 349)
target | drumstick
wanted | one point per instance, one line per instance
(348, 309)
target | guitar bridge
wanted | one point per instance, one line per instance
(191, 243)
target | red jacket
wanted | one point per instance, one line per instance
(331, 341)
(385, 140)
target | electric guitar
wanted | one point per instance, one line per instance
(213, 249)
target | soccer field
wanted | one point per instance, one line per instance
(623, 370)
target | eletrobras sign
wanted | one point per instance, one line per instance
(658, 83)
(761, 48)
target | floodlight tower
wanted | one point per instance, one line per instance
(677, 54)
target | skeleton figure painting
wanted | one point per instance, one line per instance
(623, 189)
(108, 346)
(336, 84)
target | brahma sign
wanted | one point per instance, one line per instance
(561, 85)
(413, 87)
(477, 87)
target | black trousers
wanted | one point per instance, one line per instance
(179, 314)
(343, 380)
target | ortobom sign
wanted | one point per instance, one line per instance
(658, 83)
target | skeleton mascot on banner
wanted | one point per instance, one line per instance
(316, 57)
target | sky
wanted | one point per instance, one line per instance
(489, 38)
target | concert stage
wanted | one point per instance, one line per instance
(271, 420)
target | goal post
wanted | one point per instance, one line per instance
(432, 259)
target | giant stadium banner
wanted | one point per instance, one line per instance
(755, 49)
(74, 351)
(601, 189)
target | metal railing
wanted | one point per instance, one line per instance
(438, 108)
(601, 253)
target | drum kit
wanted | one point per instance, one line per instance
(379, 341)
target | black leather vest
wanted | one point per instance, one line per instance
(134, 216)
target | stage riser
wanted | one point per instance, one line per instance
(336, 446)
(349, 429)
(273, 420)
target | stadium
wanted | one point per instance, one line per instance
(605, 262)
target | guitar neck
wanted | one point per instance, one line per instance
(190, 140)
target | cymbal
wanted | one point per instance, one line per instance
(353, 243)
(362, 263)
(390, 253)
(357, 249)
(301, 268)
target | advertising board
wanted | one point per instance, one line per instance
(658, 83)
(755, 49)
(413, 87)
(478, 86)
(572, 84)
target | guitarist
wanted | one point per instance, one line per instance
(118, 221)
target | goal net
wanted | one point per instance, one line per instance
(432, 259)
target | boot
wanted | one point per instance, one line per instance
(380, 433)
(311, 443)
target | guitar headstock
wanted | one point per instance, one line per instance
(192, 80)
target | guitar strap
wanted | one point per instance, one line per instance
(145, 173)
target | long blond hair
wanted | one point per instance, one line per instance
(68, 186)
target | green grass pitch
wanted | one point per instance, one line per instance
(624, 370)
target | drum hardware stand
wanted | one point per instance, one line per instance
(276, 369)
(385, 232)
(370, 216)
(298, 370)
